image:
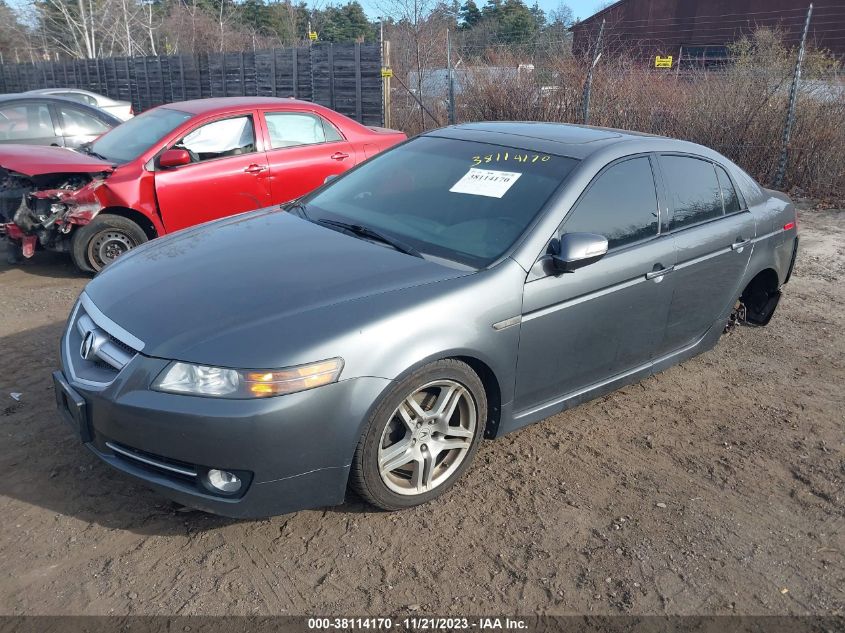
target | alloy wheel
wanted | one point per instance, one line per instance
(427, 437)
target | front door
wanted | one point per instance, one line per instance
(714, 239)
(582, 328)
(304, 149)
(227, 175)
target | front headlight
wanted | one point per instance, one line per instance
(219, 382)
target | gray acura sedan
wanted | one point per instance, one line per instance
(471, 281)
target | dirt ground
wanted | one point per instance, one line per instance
(713, 488)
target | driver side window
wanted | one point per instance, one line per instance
(621, 205)
(219, 139)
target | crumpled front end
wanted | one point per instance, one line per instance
(42, 210)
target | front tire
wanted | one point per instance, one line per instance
(422, 436)
(101, 241)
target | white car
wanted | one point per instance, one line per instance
(121, 109)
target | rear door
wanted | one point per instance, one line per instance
(713, 233)
(303, 150)
(228, 174)
(582, 328)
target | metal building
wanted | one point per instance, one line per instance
(697, 32)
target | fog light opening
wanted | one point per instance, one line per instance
(223, 480)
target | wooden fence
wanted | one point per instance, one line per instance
(344, 77)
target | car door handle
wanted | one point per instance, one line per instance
(255, 169)
(339, 156)
(737, 245)
(654, 274)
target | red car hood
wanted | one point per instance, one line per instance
(34, 160)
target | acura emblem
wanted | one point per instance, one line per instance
(87, 346)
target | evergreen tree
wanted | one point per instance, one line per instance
(346, 23)
(254, 14)
(470, 15)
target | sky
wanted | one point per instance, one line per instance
(581, 8)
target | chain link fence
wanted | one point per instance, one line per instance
(738, 107)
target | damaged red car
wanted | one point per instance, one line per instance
(172, 167)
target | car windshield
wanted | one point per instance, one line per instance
(132, 138)
(459, 200)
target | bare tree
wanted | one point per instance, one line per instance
(417, 32)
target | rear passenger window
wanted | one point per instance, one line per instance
(331, 132)
(694, 192)
(620, 204)
(291, 129)
(728, 191)
(747, 186)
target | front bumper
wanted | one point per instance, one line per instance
(292, 452)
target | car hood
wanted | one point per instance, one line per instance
(36, 160)
(225, 291)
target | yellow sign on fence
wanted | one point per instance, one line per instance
(312, 35)
(387, 72)
(663, 62)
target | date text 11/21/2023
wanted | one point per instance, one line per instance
(418, 623)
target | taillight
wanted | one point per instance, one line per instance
(789, 226)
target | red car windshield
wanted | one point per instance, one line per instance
(132, 138)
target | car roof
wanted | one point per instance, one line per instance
(39, 96)
(565, 139)
(220, 105)
(101, 98)
(47, 91)
(24, 96)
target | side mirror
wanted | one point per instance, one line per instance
(329, 178)
(576, 250)
(174, 158)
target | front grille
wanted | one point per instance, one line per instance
(126, 348)
(104, 348)
(96, 349)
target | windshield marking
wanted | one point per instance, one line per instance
(502, 157)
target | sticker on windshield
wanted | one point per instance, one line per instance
(485, 182)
